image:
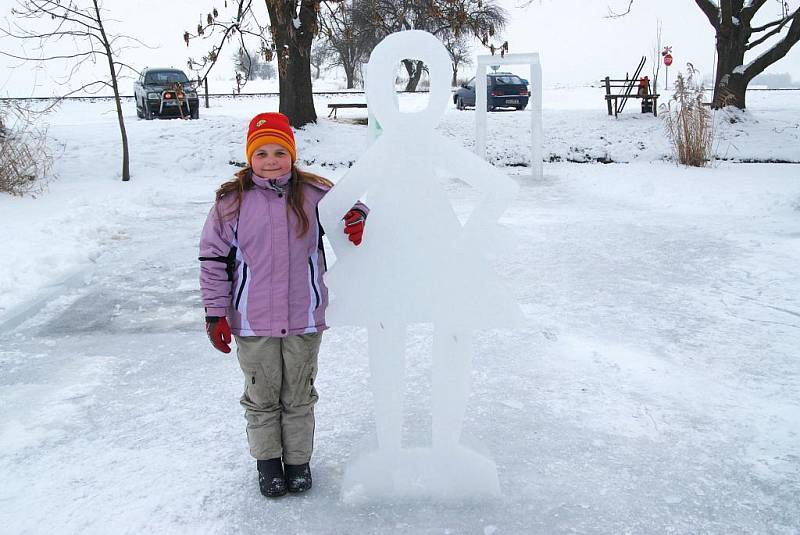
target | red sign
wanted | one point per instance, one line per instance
(667, 59)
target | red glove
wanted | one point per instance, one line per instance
(354, 225)
(219, 332)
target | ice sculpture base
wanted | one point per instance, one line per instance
(447, 474)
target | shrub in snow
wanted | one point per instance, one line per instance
(689, 124)
(24, 159)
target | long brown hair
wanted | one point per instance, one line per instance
(243, 181)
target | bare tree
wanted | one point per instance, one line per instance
(351, 42)
(245, 65)
(483, 19)
(460, 53)
(321, 55)
(249, 66)
(267, 71)
(655, 56)
(82, 24)
(737, 34)
(293, 25)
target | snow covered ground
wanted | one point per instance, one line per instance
(656, 388)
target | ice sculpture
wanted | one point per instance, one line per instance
(417, 263)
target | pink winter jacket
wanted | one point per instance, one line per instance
(255, 270)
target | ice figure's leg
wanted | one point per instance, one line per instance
(387, 380)
(452, 362)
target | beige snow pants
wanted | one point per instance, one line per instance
(279, 394)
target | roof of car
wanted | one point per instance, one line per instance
(162, 69)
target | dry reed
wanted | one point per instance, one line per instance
(689, 123)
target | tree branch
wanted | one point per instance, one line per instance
(748, 12)
(50, 7)
(243, 10)
(711, 10)
(122, 64)
(782, 21)
(613, 15)
(56, 34)
(771, 33)
(134, 39)
(49, 58)
(779, 50)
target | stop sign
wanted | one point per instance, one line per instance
(667, 59)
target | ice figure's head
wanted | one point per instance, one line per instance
(411, 44)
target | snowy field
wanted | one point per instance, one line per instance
(655, 389)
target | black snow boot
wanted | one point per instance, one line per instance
(298, 477)
(270, 478)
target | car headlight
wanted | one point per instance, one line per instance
(153, 95)
(191, 94)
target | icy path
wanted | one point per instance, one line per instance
(657, 389)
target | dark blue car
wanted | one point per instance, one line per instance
(503, 90)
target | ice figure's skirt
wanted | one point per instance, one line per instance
(455, 473)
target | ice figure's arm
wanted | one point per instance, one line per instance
(343, 196)
(498, 190)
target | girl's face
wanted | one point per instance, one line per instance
(271, 161)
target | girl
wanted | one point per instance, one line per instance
(261, 266)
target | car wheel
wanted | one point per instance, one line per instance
(520, 108)
(139, 111)
(195, 112)
(460, 103)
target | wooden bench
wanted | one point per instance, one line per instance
(629, 88)
(336, 107)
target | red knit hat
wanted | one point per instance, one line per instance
(270, 128)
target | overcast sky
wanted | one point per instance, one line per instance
(577, 42)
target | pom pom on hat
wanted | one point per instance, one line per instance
(270, 128)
